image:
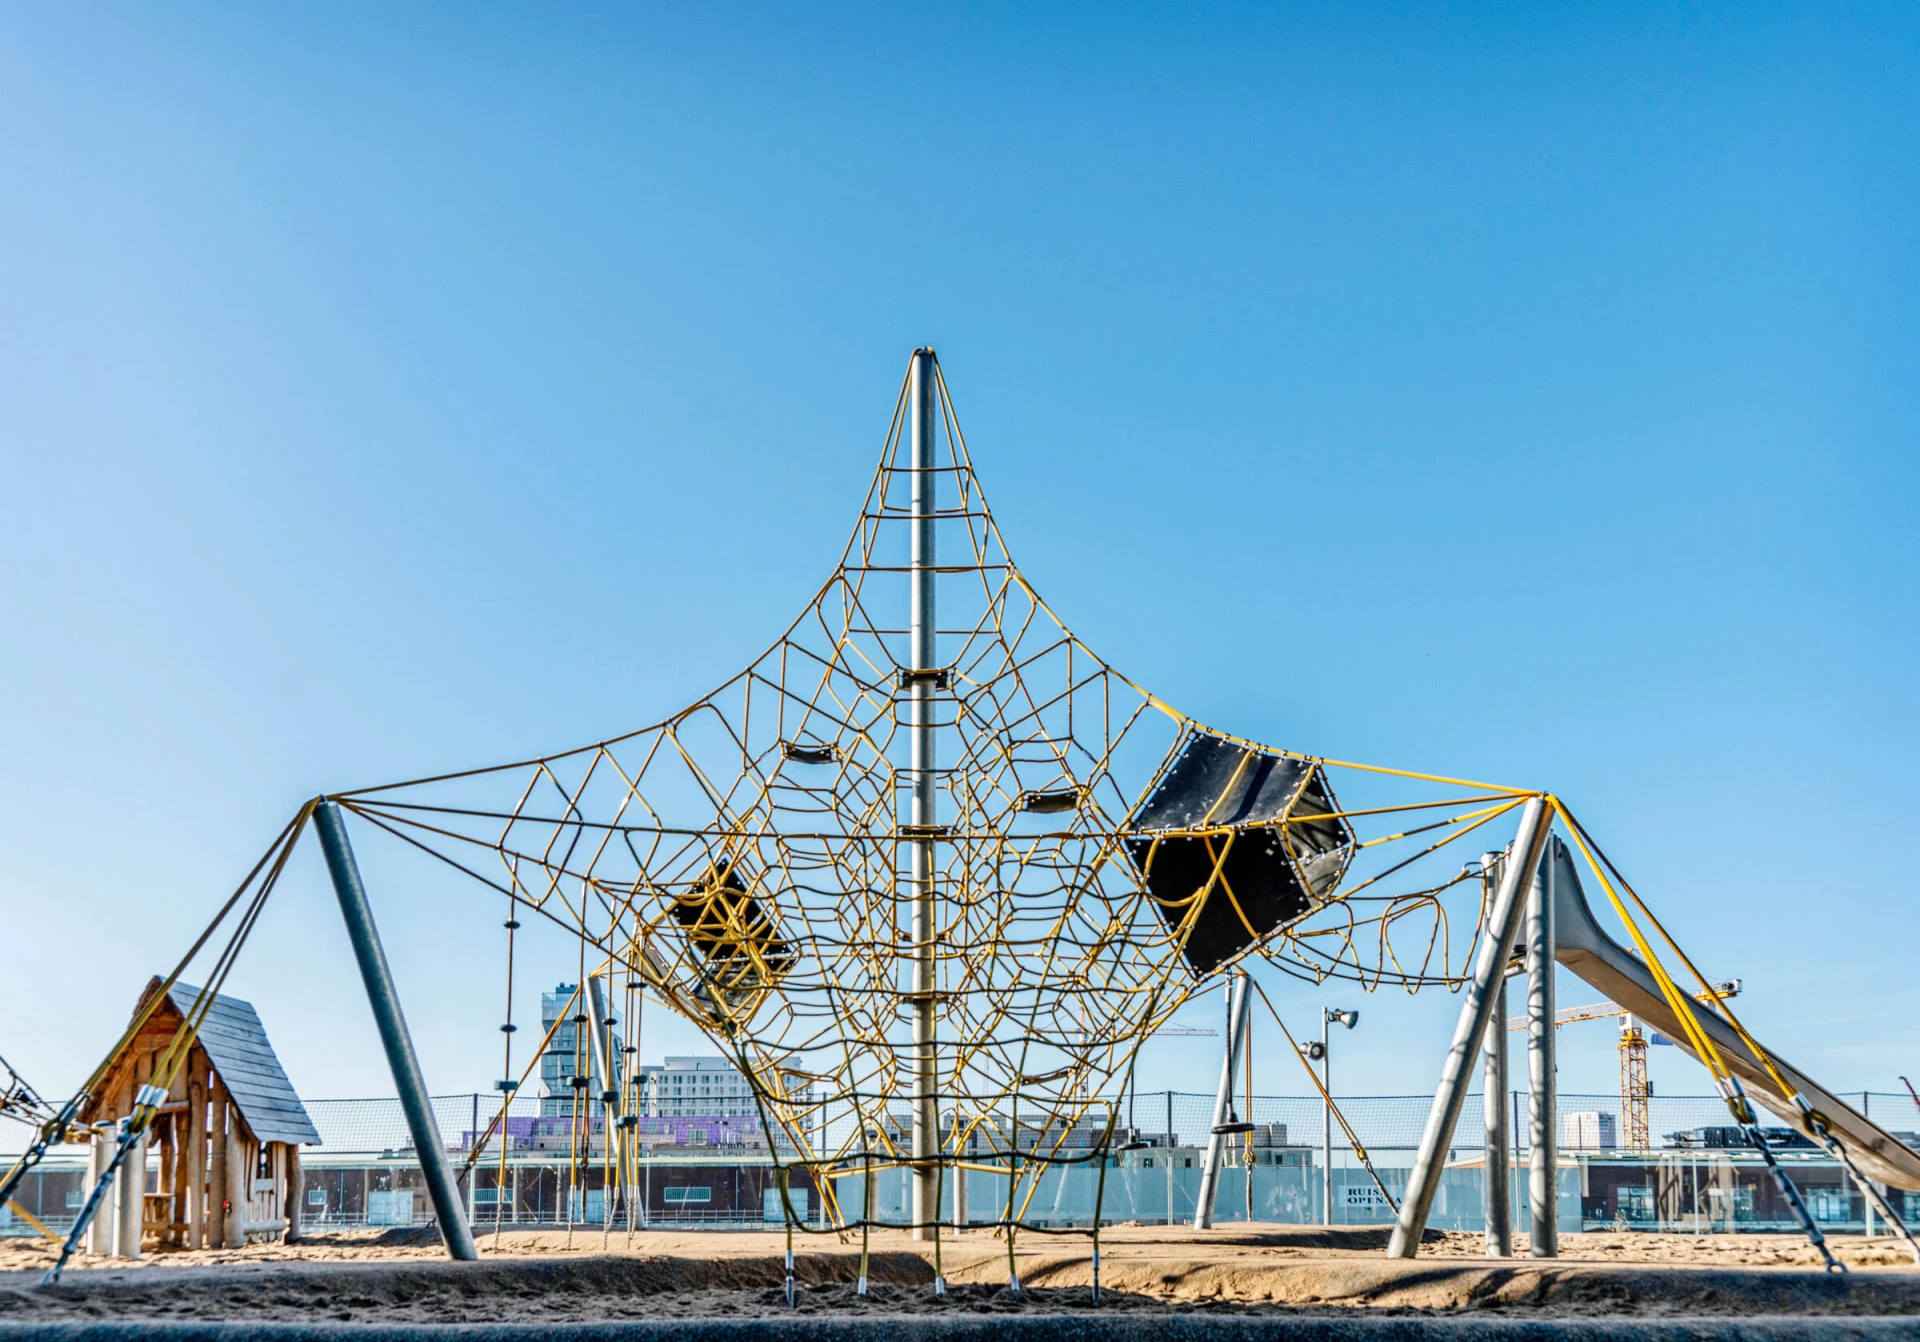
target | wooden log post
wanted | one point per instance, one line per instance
(251, 1168)
(173, 1180)
(166, 1212)
(239, 1174)
(218, 1194)
(296, 1196)
(194, 1133)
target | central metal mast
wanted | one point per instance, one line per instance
(921, 682)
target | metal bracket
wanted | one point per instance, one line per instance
(1050, 802)
(800, 753)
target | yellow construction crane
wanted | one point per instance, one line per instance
(1636, 1135)
(1635, 1090)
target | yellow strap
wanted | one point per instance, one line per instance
(32, 1220)
(1708, 991)
(1677, 1001)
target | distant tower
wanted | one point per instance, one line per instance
(1633, 1085)
(567, 1056)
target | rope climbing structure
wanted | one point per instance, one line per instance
(930, 869)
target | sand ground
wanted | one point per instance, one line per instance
(395, 1276)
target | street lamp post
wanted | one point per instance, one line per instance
(1328, 1015)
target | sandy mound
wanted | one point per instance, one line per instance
(396, 1277)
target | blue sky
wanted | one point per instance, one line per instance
(1529, 390)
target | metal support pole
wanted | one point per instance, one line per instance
(442, 1190)
(130, 1198)
(1238, 997)
(1493, 1103)
(1496, 948)
(605, 1059)
(100, 1229)
(923, 664)
(1543, 1174)
(605, 1054)
(1326, 1121)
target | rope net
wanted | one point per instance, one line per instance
(1098, 855)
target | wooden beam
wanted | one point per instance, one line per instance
(238, 1173)
(173, 1165)
(218, 1185)
(194, 1135)
(296, 1196)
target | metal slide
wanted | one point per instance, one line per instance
(1608, 966)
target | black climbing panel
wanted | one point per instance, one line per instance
(1260, 870)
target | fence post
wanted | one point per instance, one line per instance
(1173, 1141)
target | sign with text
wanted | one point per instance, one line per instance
(1365, 1197)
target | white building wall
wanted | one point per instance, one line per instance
(1589, 1131)
(695, 1087)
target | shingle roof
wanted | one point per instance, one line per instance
(236, 1043)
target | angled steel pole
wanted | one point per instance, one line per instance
(1543, 1153)
(606, 1060)
(922, 666)
(1476, 1008)
(442, 1191)
(1493, 1096)
(1238, 1001)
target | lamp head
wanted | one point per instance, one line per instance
(1347, 1018)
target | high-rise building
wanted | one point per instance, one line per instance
(568, 1055)
(680, 1087)
(1590, 1131)
(695, 1087)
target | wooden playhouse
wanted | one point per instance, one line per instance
(229, 1134)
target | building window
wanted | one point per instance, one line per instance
(1635, 1203)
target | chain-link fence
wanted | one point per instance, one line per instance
(1168, 1118)
(718, 1171)
(379, 1127)
(1395, 1122)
